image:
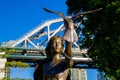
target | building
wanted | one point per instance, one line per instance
(100, 75)
(78, 74)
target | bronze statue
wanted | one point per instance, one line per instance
(53, 67)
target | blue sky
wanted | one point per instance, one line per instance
(17, 17)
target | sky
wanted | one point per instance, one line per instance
(17, 17)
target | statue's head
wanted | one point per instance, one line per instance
(55, 45)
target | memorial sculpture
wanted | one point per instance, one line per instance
(53, 67)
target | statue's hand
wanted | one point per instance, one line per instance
(70, 35)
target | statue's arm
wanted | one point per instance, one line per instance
(68, 54)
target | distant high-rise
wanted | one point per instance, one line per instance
(78, 74)
(100, 75)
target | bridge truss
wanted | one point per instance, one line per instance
(31, 46)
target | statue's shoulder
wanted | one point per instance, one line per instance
(44, 61)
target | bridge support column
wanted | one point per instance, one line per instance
(2, 66)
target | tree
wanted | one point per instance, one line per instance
(101, 33)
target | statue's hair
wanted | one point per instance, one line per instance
(49, 49)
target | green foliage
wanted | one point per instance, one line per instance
(101, 32)
(15, 79)
(7, 51)
(16, 64)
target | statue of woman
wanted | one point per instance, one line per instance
(54, 67)
(57, 68)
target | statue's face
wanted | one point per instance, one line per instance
(57, 45)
